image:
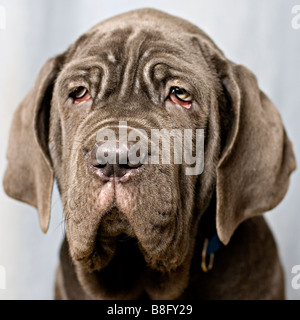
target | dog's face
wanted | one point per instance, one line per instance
(151, 80)
(150, 71)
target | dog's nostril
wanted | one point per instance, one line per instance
(115, 159)
(130, 166)
(100, 166)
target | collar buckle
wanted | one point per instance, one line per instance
(210, 247)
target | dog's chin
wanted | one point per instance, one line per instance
(119, 265)
(110, 240)
(104, 249)
(120, 257)
(106, 246)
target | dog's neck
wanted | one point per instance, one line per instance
(207, 223)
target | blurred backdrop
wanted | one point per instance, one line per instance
(259, 34)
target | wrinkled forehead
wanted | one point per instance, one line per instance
(147, 24)
(121, 44)
(137, 55)
(137, 34)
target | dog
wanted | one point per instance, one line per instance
(152, 230)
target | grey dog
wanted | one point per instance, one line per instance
(151, 231)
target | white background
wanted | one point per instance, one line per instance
(256, 33)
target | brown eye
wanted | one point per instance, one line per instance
(80, 94)
(180, 96)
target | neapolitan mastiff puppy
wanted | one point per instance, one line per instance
(150, 230)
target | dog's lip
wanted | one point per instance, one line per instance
(158, 263)
(114, 224)
(112, 234)
(119, 237)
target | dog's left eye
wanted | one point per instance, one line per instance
(180, 96)
(80, 94)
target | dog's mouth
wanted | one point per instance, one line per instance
(115, 232)
(110, 214)
(125, 235)
(112, 231)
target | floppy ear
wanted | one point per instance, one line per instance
(257, 157)
(29, 174)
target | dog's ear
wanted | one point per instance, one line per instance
(29, 174)
(257, 157)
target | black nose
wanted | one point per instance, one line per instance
(115, 159)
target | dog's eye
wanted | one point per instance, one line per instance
(180, 96)
(80, 94)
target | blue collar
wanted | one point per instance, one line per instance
(210, 247)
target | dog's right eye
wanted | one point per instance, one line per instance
(80, 94)
(181, 97)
